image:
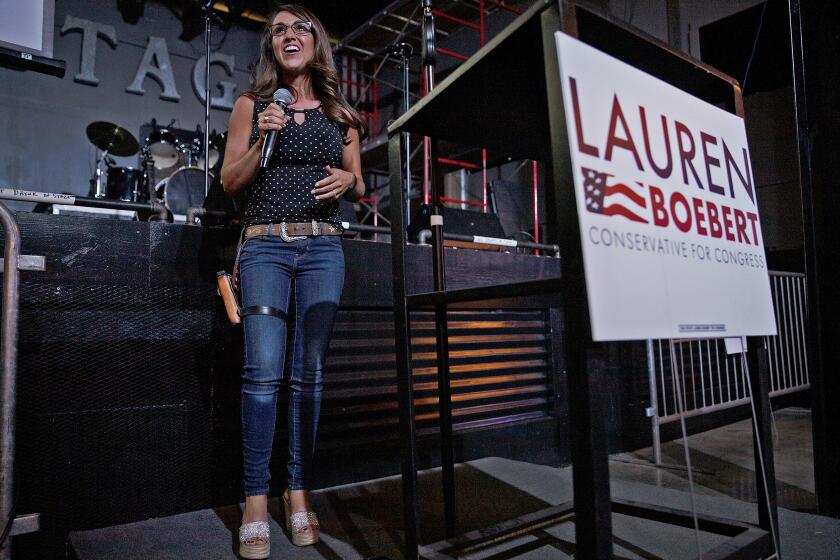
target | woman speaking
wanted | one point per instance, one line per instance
(291, 263)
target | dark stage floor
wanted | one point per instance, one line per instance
(362, 520)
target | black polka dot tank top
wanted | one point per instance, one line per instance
(282, 191)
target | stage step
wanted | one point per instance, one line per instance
(211, 534)
(362, 521)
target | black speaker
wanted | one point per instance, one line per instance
(455, 220)
(515, 210)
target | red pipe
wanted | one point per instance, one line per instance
(481, 22)
(376, 203)
(484, 178)
(426, 149)
(453, 54)
(376, 104)
(459, 201)
(536, 209)
(355, 76)
(365, 116)
(483, 151)
(463, 164)
(458, 20)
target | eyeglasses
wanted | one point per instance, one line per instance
(298, 27)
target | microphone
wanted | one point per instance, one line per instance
(282, 97)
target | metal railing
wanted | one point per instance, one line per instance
(155, 208)
(712, 379)
(9, 524)
(786, 351)
(8, 348)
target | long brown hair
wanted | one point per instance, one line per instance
(267, 76)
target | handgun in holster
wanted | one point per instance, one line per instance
(229, 296)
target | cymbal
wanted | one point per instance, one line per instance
(115, 139)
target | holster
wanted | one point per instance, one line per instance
(229, 297)
(228, 285)
(229, 290)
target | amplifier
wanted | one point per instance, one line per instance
(455, 220)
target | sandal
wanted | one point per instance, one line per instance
(250, 535)
(298, 522)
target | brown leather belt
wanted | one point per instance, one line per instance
(289, 231)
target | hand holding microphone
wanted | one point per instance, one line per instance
(271, 121)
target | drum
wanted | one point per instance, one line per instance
(125, 183)
(216, 148)
(162, 146)
(182, 190)
(189, 153)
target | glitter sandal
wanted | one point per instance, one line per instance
(298, 522)
(249, 536)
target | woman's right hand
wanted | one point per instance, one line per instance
(242, 160)
(273, 118)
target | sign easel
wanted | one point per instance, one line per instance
(519, 79)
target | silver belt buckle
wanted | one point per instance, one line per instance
(284, 235)
(316, 228)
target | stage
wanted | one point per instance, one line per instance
(129, 372)
(359, 521)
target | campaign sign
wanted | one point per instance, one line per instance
(666, 201)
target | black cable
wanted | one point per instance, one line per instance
(755, 44)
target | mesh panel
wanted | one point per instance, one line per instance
(128, 397)
(115, 419)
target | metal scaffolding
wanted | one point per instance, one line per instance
(363, 53)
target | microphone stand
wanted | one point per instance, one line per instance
(96, 180)
(447, 455)
(207, 10)
(403, 52)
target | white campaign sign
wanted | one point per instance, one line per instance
(669, 224)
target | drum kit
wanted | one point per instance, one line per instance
(171, 171)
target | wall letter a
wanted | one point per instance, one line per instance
(161, 71)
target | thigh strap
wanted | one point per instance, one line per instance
(262, 310)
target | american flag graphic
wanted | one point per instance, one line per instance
(609, 197)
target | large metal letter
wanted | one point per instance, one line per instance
(90, 31)
(161, 71)
(228, 88)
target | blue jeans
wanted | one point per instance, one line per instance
(270, 269)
